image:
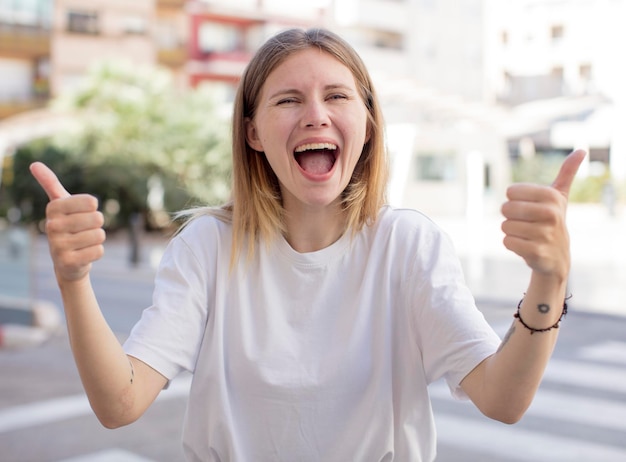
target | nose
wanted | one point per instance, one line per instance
(315, 115)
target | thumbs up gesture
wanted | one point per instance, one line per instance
(535, 226)
(73, 226)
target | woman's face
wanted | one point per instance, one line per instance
(311, 123)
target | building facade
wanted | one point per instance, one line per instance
(559, 61)
(24, 55)
(466, 85)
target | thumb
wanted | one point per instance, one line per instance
(48, 181)
(568, 171)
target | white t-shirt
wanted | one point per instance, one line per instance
(322, 356)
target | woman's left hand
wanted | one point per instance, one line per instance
(535, 225)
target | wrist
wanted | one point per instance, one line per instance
(542, 308)
(73, 283)
(550, 283)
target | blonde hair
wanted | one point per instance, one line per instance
(256, 210)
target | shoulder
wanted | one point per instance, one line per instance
(203, 237)
(410, 234)
(205, 223)
(406, 222)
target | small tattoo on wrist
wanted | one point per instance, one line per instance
(543, 308)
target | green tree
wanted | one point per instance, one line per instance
(135, 126)
(136, 117)
(22, 189)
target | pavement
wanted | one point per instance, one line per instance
(26, 322)
(597, 280)
(497, 277)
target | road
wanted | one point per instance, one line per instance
(579, 413)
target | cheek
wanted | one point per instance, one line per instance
(360, 137)
(277, 130)
(362, 127)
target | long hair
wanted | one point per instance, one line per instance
(256, 210)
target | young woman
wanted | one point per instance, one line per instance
(312, 315)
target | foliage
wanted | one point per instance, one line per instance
(23, 190)
(539, 169)
(543, 169)
(136, 114)
(591, 189)
(134, 125)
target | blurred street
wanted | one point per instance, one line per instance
(474, 94)
(579, 413)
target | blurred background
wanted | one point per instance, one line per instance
(131, 101)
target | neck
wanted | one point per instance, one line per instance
(312, 230)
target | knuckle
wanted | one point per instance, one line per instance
(65, 260)
(93, 202)
(99, 252)
(99, 236)
(99, 219)
(52, 226)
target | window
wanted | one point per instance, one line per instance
(585, 72)
(389, 40)
(556, 33)
(82, 22)
(218, 38)
(134, 25)
(557, 72)
(436, 167)
(26, 12)
(487, 182)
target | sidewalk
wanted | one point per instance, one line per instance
(25, 322)
(598, 274)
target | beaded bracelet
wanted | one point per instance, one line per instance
(532, 329)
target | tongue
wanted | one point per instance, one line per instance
(316, 162)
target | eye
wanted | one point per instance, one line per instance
(289, 100)
(337, 96)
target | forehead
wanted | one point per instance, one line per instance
(310, 66)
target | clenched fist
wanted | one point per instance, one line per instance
(73, 226)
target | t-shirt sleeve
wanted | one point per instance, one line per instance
(453, 335)
(169, 333)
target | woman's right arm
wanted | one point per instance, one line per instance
(119, 387)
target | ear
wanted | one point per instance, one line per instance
(252, 136)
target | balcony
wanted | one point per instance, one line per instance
(24, 41)
(171, 4)
(36, 97)
(225, 66)
(172, 57)
(11, 108)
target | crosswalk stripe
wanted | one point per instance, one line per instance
(598, 412)
(67, 407)
(117, 455)
(41, 412)
(518, 444)
(610, 352)
(593, 376)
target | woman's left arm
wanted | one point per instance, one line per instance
(504, 385)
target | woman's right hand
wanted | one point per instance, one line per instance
(73, 226)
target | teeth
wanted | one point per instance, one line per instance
(316, 146)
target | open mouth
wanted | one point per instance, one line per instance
(316, 158)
